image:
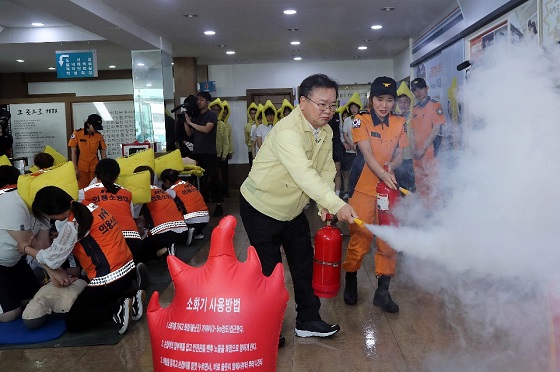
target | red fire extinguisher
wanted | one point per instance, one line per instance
(327, 260)
(386, 201)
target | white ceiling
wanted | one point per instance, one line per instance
(256, 30)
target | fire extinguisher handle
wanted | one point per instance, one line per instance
(334, 219)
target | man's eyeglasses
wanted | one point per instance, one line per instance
(324, 106)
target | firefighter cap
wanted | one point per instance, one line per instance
(383, 85)
(418, 83)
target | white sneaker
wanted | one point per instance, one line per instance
(138, 304)
(199, 236)
(171, 250)
(122, 316)
(190, 235)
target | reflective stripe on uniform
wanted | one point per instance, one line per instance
(111, 277)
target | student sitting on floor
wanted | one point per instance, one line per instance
(189, 202)
(164, 222)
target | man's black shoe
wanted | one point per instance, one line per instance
(351, 288)
(315, 328)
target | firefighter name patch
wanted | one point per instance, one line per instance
(356, 123)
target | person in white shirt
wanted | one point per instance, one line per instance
(264, 129)
(350, 146)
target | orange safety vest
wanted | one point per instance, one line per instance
(117, 204)
(161, 213)
(103, 252)
(189, 200)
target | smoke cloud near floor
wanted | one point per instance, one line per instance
(492, 249)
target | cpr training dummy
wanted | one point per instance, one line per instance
(226, 315)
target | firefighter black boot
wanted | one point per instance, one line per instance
(351, 288)
(382, 297)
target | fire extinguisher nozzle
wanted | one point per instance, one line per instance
(359, 222)
(404, 191)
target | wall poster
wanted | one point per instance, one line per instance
(35, 125)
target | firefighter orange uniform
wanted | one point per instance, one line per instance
(384, 138)
(103, 253)
(426, 114)
(87, 145)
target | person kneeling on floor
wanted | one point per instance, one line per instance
(189, 201)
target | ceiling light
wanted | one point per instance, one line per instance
(290, 11)
(148, 84)
(376, 27)
(37, 24)
(295, 43)
(388, 8)
(140, 64)
(362, 47)
(230, 52)
(209, 32)
(222, 45)
(190, 15)
(20, 60)
(112, 66)
(52, 68)
(297, 58)
(293, 29)
(103, 111)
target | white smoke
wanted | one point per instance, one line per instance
(493, 250)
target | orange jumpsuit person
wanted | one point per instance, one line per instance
(85, 144)
(381, 138)
(427, 119)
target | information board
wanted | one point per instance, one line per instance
(35, 125)
(76, 64)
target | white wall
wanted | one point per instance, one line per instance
(234, 80)
(83, 88)
(402, 63)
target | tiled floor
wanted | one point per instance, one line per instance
(426, 335)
